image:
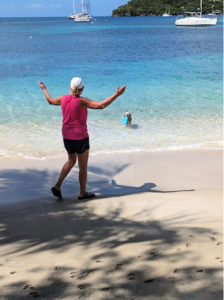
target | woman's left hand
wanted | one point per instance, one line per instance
(120, 91)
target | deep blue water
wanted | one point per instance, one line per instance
(173, 77)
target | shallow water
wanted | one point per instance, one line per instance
(173, 77)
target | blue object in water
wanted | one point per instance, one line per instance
(124, 120)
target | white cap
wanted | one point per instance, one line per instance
(76, 81)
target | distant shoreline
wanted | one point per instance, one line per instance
(127, 16)
(110, 16)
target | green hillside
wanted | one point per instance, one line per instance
(158, 7)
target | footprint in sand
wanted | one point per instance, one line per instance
(219, 243)
(176, 271)
(57, 268)
(13, 272)
(118, 267)
(28, 286)
(82, 286)
(153, 254)
(212, 238)
(218, 258)
(199, 271)
(98, 261)
(73, 274)
(106, 288)
(85, 274)
(131, 276)
(149, 280)
(191, 235)
(188, 245)
(35, 295)
(1, 265)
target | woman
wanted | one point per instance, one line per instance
(74, 131)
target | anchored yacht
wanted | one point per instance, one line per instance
(167, 13)
(84, 15)
(196, 19)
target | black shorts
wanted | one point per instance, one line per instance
(76, 146)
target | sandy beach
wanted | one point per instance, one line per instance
(154, 231)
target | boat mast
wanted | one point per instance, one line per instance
(73, 4)
(200, 7)
(88, 7)
(83, 7)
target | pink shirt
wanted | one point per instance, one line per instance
(74, 119)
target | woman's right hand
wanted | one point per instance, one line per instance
(120, 91)
(41, 84)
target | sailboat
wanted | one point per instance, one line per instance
(196, 19)
(212, 13)
(85, 10)
(73, 16)
(167, 13)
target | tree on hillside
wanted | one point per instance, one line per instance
(158, 7)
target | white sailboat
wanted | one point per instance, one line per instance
(196, 19)
(85, 11)
(212, 13)
(167, 13)
(73, 16)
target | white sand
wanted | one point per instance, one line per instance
(153, 232)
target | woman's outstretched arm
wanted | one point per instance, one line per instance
(85, 102)
(53, 101)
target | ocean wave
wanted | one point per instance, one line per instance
(214, 145)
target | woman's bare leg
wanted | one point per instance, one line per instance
(83, 161)
(66, 169)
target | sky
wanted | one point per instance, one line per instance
(54, 8)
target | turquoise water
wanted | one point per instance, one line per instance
(173, 77)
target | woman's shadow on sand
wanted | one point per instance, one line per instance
(111, 189)
(106, 186)
(17, 185)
